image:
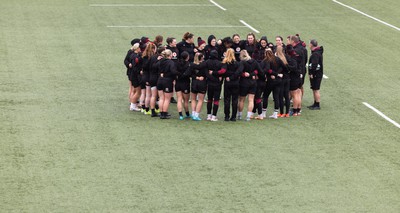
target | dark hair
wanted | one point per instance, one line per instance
(184, 55)
(279, 37)
(314, 42)
(170, 39)
(234, 35)
(187, 36)
(160, 50)
(289, 50)
(295, 39)
(158, 39)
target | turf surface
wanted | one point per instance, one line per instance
(69, 144)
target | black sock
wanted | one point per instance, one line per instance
(317, 104)
(143, 106)
(187, 113)
(153, 111)
(180, 114)
(147, 109)
(157, 107)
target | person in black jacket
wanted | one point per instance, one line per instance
(211, 45)
(301, 51)
(214, 84)
(274, 80)
(250, 45)
(201, 46)
(168, 72)
(182, 85)
(295, 79)
(259, 53)
(135, 64)
(231, 74)
(147, 54)
(198, 87)
(187, 44)
(128, 66)
(316, 72)
(226, 43)
(153, 81)
(237, 45)
(171, 45)
(284, 98)
(248, 84)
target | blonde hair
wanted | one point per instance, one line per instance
(279, 53)
(135, 46)
(166, 53)
(229, 56)
(244, 55)
(198, 57)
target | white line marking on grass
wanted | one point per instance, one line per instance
(324, 76)
(216, 4)
(371, 17)
(247, 25)
(177, 26)
(382, 115)
(151, 5)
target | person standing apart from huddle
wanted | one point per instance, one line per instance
(316, 72)
(168, 73)
(135, 62)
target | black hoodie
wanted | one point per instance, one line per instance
(212, 64)
(315, 64)
(252, 67)
(209, 47)
(168, 68)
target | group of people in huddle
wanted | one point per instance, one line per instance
(250, 68)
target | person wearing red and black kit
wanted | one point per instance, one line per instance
(135, 60)
(168, 72)
(171, 45)
(302, 58)
(295, 79)
(261, 85)
(147, 54)
(247, 84)
(250, 45)
(214, 84)
(182, 85)
(274, 80)
(211, 45)
(198, 87)
(187, 44)
(284, 99)
(201, 46)
(231, 73)
(279, 42)
(226, 43)
(259, 53)
(237, 45)
(316, 72)
(153, 81)
(128, 66)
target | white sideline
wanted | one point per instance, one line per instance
(324, 76)
(381, 114)
(247, 25)
(216, 4)
(371, 17)
(176, 26)
(151, 5)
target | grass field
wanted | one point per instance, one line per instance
(68, 142)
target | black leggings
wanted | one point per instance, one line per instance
(275, 88)
(258, 97)
(284, 94)
(231, 92)
(213, 95)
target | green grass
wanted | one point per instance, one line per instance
(69, 144)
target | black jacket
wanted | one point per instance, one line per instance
(184, 46)
(167, 68)
(302, 57)
(127, 61)
(252, 67)
(231, 71)
(315, 64)
(237, 48)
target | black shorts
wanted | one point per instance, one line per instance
(135, 80)
(153, 81)
(182, 87)
(199, 86)
(302, 79)
(246, 90)
(166, 85)
(294, 84)
(143, 81)
(315, 83)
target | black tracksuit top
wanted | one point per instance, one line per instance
(252, 67)
(275, 69)
(136, 61)
(168, 68)
(127, 61)
(213, 65)
(316, 59)
(184, 46)
(183, 67)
